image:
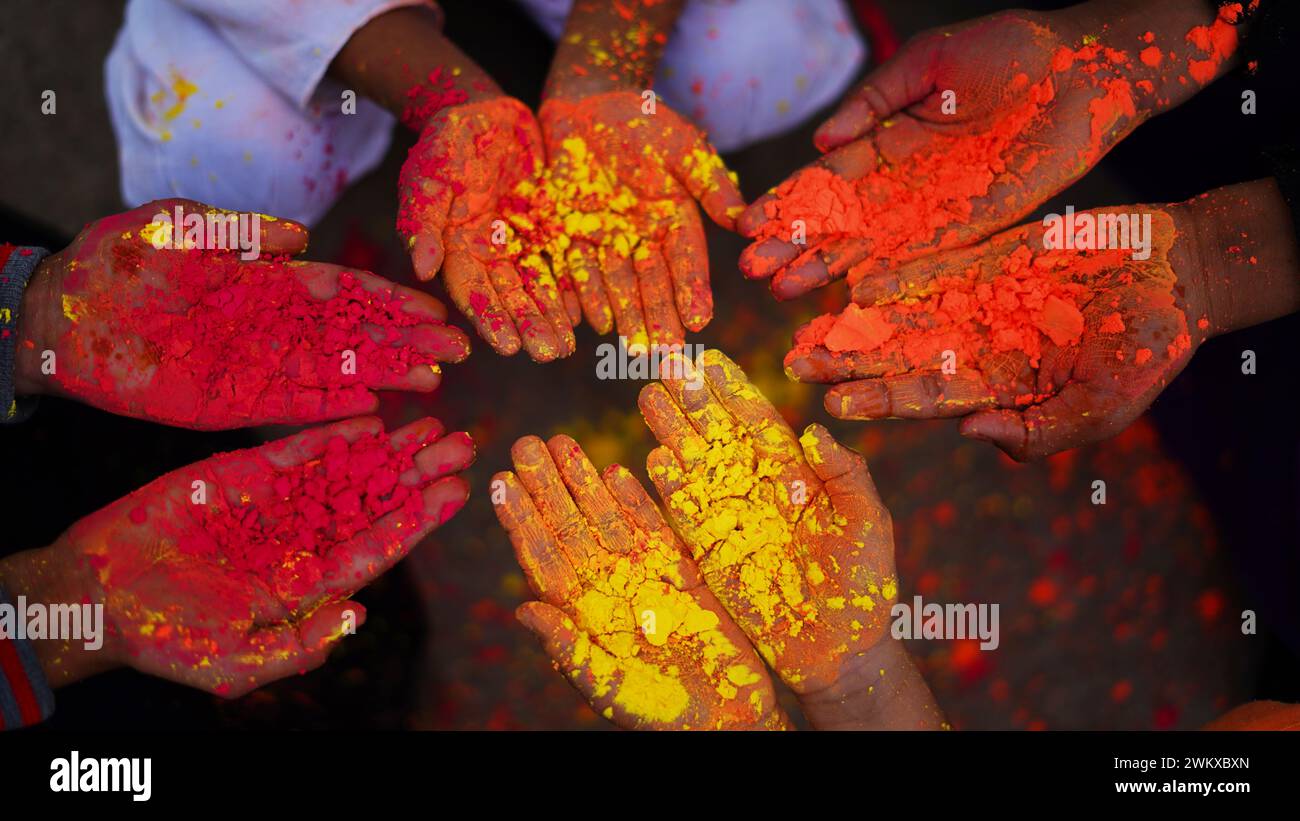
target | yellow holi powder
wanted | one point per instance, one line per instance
(74, 307)
(641, 637)
(181, 90)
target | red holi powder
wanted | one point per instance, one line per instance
(288, 539)
(1218, 40)
(972, 315)
(901, 207)
(251, 339)
(426, 99)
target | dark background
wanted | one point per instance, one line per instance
(1123, 616)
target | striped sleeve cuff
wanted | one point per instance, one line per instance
(25, 697)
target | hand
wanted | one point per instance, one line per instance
(250, 583)
(789, 533)
(470, 159)
(613, 212)
(962, 133)
(1046, 349)
(623, 611)
(203, 339)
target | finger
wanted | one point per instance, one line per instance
(917, 278)
(310, 444)
(537, 334)
(372, 552)
(737, 394)
(591, 496)
(540, 285)
(905, 78)
(755, 215)
(829, 261)
(926, 395)
(669, 424)
(472, 291)
(764, 258)
(843, 472)
(537, 472)
(545, 562)
(1040, 430)
(688, 265)
(686, 385)
(584, 270)
(424, 205)
(668, 476)
(292, 649)
(276, 236)
(560, 638)
(636, 503)
(450, 454)
(662, 322)
(697, 166)
(324, 281)
(625, 298)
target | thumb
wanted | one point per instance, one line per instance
(1022, 435)
(902, 80)
(426, 255)
(557, 632)
(843, 471)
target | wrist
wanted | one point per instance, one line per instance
(877, 689)
(50, 577)
(34, 334)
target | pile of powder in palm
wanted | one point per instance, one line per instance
(930, 196)
(253, 339)
(1027, 304)
(286, 527)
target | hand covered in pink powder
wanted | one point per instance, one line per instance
(471, 157)
(1040, 350)
(130, 321)
(236, 571)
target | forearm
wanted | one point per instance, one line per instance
(1174, 47)
(1243, 241)
(402, 61)
(49, 576)
(610, 45)
(877, 690)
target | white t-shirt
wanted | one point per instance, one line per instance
(227, 102)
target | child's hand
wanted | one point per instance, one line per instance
(469, 160)
(1045, 349)
(789, 532)
(623, 612)
(614, 212)
(967, 130)
(204, 339)
(236, 571)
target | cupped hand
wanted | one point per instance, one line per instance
(127, 321)
(623, 612)
(453, 199)
(789, 532)
(615, 214)
(1039, 349)
(962, 133)
(236, 571)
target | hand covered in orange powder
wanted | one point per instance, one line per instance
(613, 215)
(789, 532)
(236, 571)
(623, 612)
(469, 160)
(967, 130)
(1044, 350)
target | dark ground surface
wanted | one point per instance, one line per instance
(1122, 616)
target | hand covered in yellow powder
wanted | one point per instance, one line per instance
(623, 611)
(789, 532)
(453, 201)
(613, 213)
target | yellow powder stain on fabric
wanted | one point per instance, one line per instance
(181, 90)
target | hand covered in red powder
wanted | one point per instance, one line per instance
(614, 213)
(623, 612)
(1041, 350)
(470, 158)
(788, 531)
(962, 133)
(203, 339)
(236, 571)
